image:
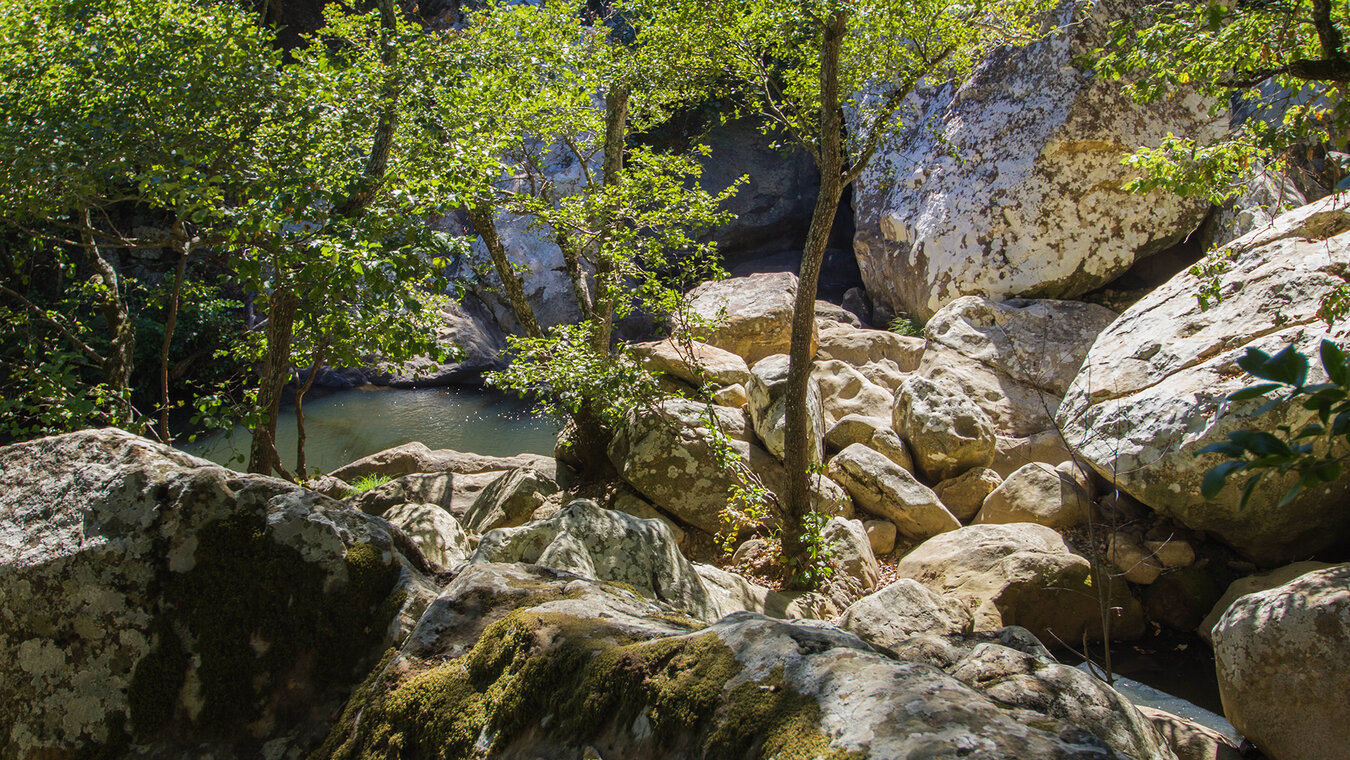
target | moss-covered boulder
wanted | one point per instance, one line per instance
(156, 602)
(521, 661)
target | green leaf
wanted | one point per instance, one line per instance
(1217, 476)
(1255, 391)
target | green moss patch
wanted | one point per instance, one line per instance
(266, 633)
(580, 681)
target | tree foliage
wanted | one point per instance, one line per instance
(1281, 64)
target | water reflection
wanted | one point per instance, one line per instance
(351, 424)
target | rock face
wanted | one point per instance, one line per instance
(525, 662)
(1036, 205)
(946, 432)
(757, 311)
(885, 489)
(1283, 663)
(1014, 359)
(154, 601)
(1151, 392)
(604, 545)
(1021, 574)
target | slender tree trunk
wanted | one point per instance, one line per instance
(796, 499)
(119, 362)
(483, 220)
(301, 466)
(170, 323)
(609, 291)
(377, 162)
(276, 370)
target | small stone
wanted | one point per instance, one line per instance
(964, 494)
(1133, 560)
(1173, 552)
(733, 396)
(881, 534)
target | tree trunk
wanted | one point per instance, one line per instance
(377, 162)
(276, 370)
(171, 322)
(608, 291)
(119, 362)
(796, 499)
(483, 220)
(301, 466)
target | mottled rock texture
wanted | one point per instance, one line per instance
(515, 661)
(1282, 657)
(1035, 205)
(156, 602)
(752, 316)
(1152, 390)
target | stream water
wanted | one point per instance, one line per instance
(347, 425)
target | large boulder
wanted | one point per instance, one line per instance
(859, 347)
(887, 490)
(1036, 204)
(1014, 359)
(1152, 390)
(750, 316)
(1283, 662)
(416, 457)
(155, 603)
(767, 390)
(604, 545)
(509, 500)
(418, 488)
(667, 453)
(436, 532)
(845, 391)
(515, 661)
(1037, 493)
(901, 610)
(1020, 574)
(947, 433)
(695, 363)
(1250, 585)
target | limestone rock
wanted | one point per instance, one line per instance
(860, 347)
(946, 432)
(417, 488)
(1020, 574)
(1132, 559)
(696, 364)
(1037, 342)
(416, 457)
(1251, 585)
(509, 500)
(435, 531)
(329, 486)
(1038, 494)
(1172, 553)
(883, 488)
(1013, 408)
(1152, 390)
(1282, 658)
(845, 391)
(629, 502)
(901, 610)
(881, 535)
(888, 443)
(733, 396)
(732, 593)
(757, 313)
(853, 428)
(1019, 679)
(768, 404)
(827, 312)
(964, 494)
(155, 593)
(1036, 205)
(1011, 453)
(541, 643)
(851, 550)
(666, 454)
(604, 545)
(1189, 740)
